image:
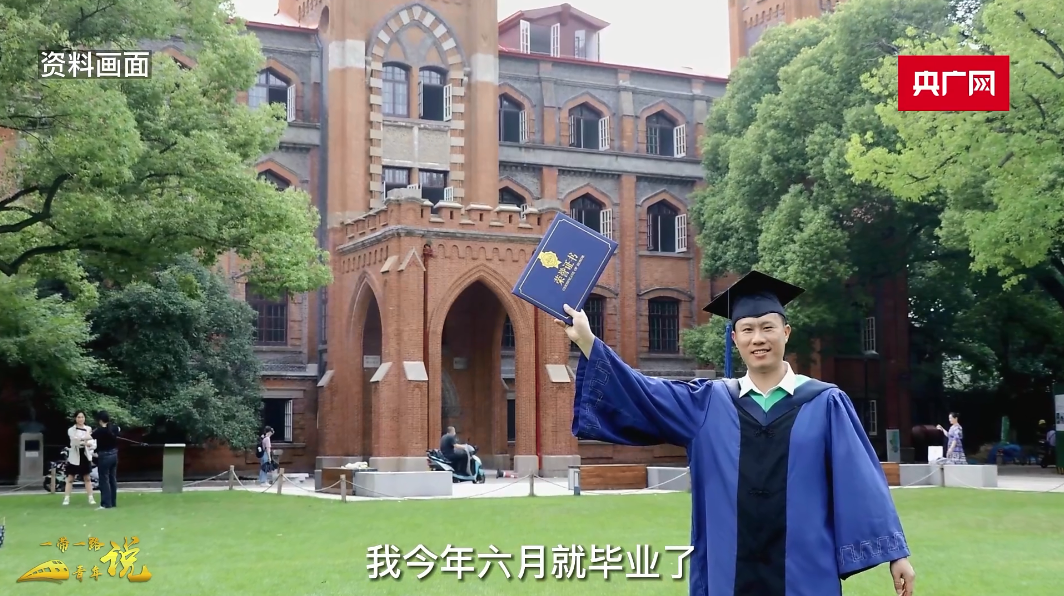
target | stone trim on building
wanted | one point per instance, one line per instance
(407, 16)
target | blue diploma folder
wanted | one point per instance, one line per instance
(565, 267)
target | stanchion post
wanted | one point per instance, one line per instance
(232, 474)
(53, 480)
(576, 482)
(343, 488)
(280, 479)
(531, 484)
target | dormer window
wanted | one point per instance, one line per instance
(541, 39)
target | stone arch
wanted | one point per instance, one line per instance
(526, 104)
(416, 12)
(666, 292)
(179, 56)
(517, 187)
(454, 60)
(582, 98)
(662, 106)
(591, 190)
(663, 195)
(604, 291)
(278, 170)
(349, 371)
(519, 319)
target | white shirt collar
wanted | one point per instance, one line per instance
(787, 384)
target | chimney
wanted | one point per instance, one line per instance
(566, 12)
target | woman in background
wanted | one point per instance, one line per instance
(106, 437)
(955, 449)
(265, 458)
(79, 456)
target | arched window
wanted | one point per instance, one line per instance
(269, 88)
(396, 91)
(584, 127)
(660, 134)
(274, 179)
(513, 127)
(661, 227)
(587, 211)
(663, 316)
(595, 309)
(431, 84)
(509, 197)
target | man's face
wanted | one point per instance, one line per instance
(761, 341)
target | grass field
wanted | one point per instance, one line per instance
(965, 542)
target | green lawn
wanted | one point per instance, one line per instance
(965, 542)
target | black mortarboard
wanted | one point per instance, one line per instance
(754, 295)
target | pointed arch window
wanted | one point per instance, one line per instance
(270, 88)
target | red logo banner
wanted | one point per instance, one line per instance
(953, 83)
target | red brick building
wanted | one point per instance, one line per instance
(750, 18)
(438, 143)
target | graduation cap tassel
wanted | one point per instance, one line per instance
(727, 350)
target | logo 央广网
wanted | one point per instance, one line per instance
(953, 83)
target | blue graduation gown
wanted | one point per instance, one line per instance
(783, 503)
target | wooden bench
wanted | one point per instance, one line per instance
(613, 477)
(893, 473)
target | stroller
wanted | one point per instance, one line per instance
(60, 466)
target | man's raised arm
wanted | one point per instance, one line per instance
(619, 405)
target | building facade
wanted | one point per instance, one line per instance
(439, 143)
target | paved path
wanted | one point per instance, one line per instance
(1027, 480)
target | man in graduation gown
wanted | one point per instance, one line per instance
(788, 497)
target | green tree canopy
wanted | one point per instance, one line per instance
(130, 173)
(779, 196)
(122, 177)
(179, 358)
(999, 174)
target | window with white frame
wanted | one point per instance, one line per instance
(509, 341)
(509, 197)
(593, 214)
(580, 44)
(665, 136)
(396, 178)
(868, 335)
(433, 185)
(278, 413)
(666, 228)
(395, 90)
(513, 121)
(270, 88)
(588, 128)
(871, 417)
(434, 95)
(540, 39)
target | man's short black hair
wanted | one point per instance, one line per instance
(103, 416)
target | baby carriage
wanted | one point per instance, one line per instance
(60, 466)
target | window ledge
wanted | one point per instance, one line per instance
(667, 255)
(661, 355)
(412, 122)
(278, 349)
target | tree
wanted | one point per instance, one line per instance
(779, 197)
(122, 177)
(127, 174)
(179, 356)
(998, 174)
